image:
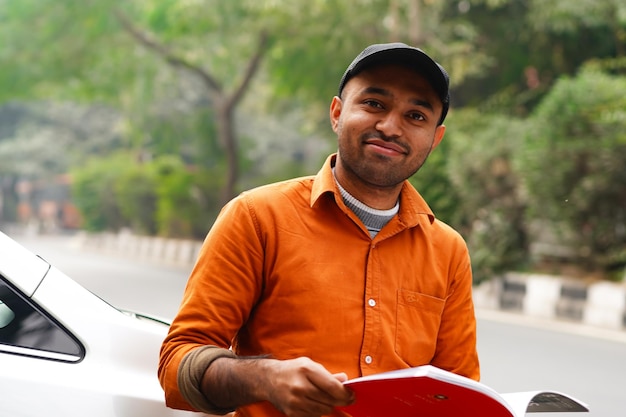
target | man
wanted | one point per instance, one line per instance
(315, 280)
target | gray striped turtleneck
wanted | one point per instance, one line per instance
(372, 218)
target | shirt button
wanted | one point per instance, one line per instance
(368, 359)
(371, 302)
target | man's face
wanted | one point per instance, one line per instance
(386, 125)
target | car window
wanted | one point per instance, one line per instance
(25, 329)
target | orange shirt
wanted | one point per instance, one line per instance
(288, 270)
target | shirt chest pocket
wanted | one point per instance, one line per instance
(418, 317)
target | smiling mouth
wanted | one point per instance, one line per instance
(386, 147)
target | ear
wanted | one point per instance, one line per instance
(335, 111)
(439, 132)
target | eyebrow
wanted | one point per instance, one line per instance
(387, 93)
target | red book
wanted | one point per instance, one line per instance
(427, 391)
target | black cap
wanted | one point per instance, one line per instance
(400, 53)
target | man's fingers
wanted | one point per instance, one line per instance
(330, 386)
(341, 377)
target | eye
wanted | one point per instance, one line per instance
(373, 103)
(417, 116)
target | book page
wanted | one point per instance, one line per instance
(543, 402)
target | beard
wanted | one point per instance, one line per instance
(378, 170)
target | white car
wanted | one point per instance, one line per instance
(64, 352)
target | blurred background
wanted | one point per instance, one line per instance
(148, 115)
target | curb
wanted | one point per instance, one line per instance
(166, 250)
(601, 304)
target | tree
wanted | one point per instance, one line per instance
(491, 202)
(87, 49)
(606, 17)
(532, 43)
(573, 165)
(224, 102)
(94, 189)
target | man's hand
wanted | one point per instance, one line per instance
(297, 387)
(302, 388)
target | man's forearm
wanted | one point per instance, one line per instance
(297, 387)
(230, 383)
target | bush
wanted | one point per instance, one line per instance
(490, 212)
(188, 200)
(433, 183)
(162, 197)
(93, 189)
(136, 196)
(573, 164)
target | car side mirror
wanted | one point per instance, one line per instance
(6, 315)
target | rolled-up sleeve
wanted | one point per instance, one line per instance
(223, 287)
(190, 373)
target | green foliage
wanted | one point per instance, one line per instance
(135, 194)
(61, 49)
(470, 183)
(573, 165)
(569, 16)
(162, 197)
(433, 183)
(532, 43)
(93, 190)
(187, 200)
(490, 208)
(174, 193)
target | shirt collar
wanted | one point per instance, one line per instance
(412, 205)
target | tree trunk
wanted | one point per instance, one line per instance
(416, 37)
(228, 140)
(394, 21)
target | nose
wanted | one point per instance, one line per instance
(390, 124)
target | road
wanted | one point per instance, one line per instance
(517, 353)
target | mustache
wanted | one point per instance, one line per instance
(381, 136)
